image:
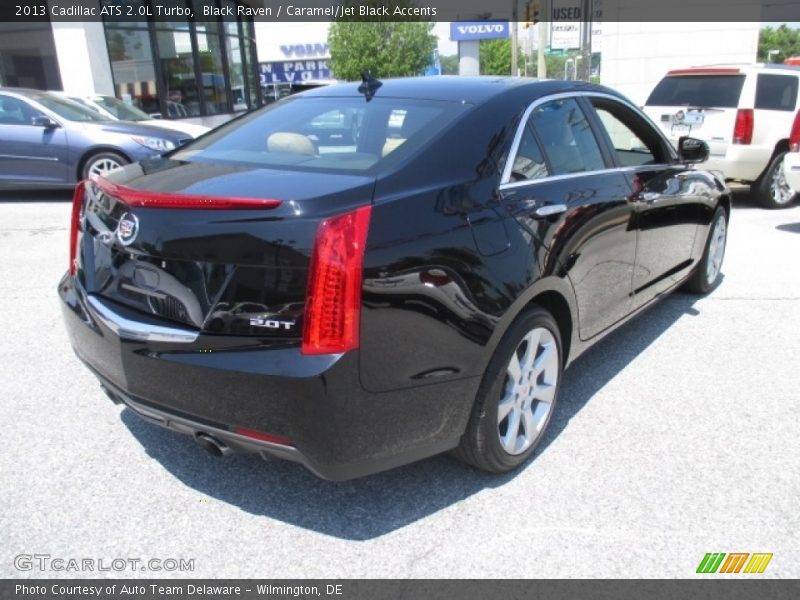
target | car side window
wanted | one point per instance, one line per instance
(529, 161)
(634, 141)
(628, 147)
(567, 138)
(14, 111)
(776, 92)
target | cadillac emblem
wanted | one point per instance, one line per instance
(127, 228)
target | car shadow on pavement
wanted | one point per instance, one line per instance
(373, 506)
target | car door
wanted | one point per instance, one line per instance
(667, 202)
(559, 186)
(30, 153)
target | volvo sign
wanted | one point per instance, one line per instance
(478, 30)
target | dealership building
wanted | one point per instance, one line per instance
(181, 68)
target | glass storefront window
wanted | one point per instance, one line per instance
(133, 68)
(184, 68)
(28, 56)
(178, 80)
(241, 101)
(252, 72)
(210, 54)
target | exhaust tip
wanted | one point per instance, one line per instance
(212, 445)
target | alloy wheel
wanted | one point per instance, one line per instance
(531, 380)
(103, 165)
(779, 187)
(716, 249)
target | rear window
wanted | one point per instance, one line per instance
(326, 133)
(718, 91)
(776, 92)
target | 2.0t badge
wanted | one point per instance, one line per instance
(127, 228)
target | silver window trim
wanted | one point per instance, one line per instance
(505, 179)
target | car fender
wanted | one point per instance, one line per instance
(553, 293)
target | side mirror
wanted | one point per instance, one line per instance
(692, 150)
(45, 122)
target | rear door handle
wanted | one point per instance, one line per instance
(548, 210)
(647, 197)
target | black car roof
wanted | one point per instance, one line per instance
(455, 88)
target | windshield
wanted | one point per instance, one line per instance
(68, 109)
(326, 133)
(717, 91)
(120, 109)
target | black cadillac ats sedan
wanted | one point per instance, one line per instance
(368, 274)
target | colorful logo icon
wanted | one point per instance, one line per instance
(719, 562)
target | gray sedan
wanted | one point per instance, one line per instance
(47, 139)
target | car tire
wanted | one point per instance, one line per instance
(708, 273)
(517, 395)
(771, 190)
(102, 162)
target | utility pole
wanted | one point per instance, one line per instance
(541, 65)
(514, 50)
(587, 7)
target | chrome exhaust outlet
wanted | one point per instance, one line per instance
(212, 445)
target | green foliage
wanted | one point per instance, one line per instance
(449, 64)
(782, 38)
(496, 57)
(387, 49)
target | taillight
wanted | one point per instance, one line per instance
(147, 199)
(261, 436)
(333, 303)
(794, 136)
(74, 227)
(743, 129)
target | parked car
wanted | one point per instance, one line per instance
(402, 299)
(744, 113)
(114, 108)
(51, 140)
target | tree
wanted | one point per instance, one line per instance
(784, 39)
(496, 57)
(387, 49)
(449, 64)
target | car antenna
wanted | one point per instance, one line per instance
(369, 85)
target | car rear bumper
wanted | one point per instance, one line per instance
(215, 385)
(739, 162)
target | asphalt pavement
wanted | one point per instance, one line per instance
(677, 436)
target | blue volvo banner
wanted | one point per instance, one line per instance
(478, 30)
(293, 71)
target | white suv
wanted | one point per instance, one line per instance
(745, 114)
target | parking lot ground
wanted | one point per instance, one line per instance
(676, 436)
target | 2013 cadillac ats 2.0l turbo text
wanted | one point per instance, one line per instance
(364, 275)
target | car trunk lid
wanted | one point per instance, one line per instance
(220, 249)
